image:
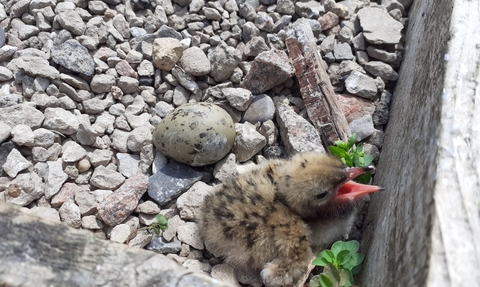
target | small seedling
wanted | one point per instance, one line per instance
(352, 155)
(161, 224)
(340, 263)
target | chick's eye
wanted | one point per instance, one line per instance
(321, 195)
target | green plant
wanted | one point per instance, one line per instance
(340, 263)
(161, 224)
(352, 155)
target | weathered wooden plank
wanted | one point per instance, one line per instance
(424, 230)
(315, 86)
(39, 252)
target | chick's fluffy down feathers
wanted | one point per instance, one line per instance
(257, 220)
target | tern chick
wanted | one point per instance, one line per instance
(268, 219)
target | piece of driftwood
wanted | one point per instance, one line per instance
(315, 86)
(39, 252)
(424, 229)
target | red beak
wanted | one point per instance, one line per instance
(353, 190)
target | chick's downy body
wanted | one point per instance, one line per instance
(262, 220)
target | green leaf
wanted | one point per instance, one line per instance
(348, 160)
(352, 246)
(359, 148)
(355, 260)
(162, 220)
(357, 160)
(343, 257)
(336, 151)
(351, 141)
(368, 158)
(325, 281)
(328, 255)
(341, 144)
(350, 278)
(338, 246)
(320, 261)
(356, 269)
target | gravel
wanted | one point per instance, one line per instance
(84, 83)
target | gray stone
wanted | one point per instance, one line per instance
(166, 53)
(128, 164)
(5, 131)
(342, 51)
(54, 179)
(86, 202)
(119, 140)
(223, 60)
(308, 9)
(190, 202)
(120, 233)
(74, 57)
(248, 141)
(91, 222)
(116, 207)
(5, 74)
(102, 83)
(298, 135)
(195, 62)
(22, 135)
(363, 127)
(238, 98)
(43, 138)
(163, 108)
(171, 181)
(72, 152)
(382, 114)
(269, 69)
(5, 149)
(100, 157)
(160, 245)
(189, 234)
(70, 214)
(15, 163)
(60, 120)
(382, 70)
(361, 85)
(138, 138)
(94, 106)
(128, 85)
(379, 27)
(21, 114)
(261, 110)
(105, 178)
(71, 21)
(34, 66)
(140, 240)
(197, 266)
(148, 207)
(24, 189)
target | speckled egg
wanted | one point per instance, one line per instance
(196, 134)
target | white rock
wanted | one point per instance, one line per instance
(120, 233)
(189, 234)
(72, 152)
(189, 203)
(70, 214)
(15, 163)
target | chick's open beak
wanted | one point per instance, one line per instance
(353, 190)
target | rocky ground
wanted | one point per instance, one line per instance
(84, 83)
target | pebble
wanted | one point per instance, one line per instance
(363, 127)
(270, 68)
(55, 178)
(171, 181)
(24, 189)
(120, 233)
(189, 202)
(119, 205)
(379, 27)
(74, 57)
(128, 164)
(160, 245)
(261, 109)
(361, 85)
(15, 163)
(70, 214)
(248, 141)
(106, 178)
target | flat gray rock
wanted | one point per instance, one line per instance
(379, 27)
(171, 181)
(22, 114)
(74, 57)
